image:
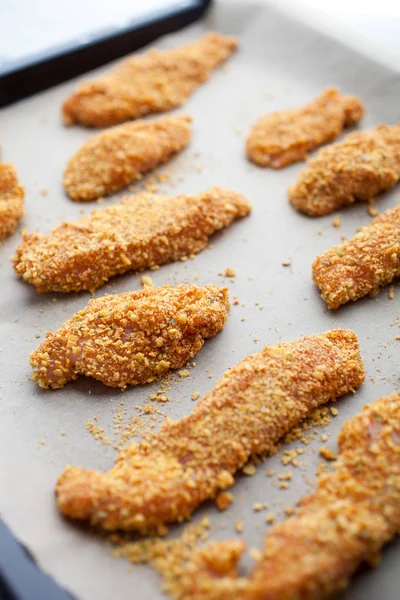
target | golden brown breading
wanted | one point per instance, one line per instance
(131, 338)
(364, 165)
(354, 511)
(362, 264)
(11, 200)
(110, 160)
(167, 475)
(285, 137)
(149, 83)
(140, 232)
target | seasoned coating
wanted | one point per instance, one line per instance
(361, 265)
(352, 514)
(285, 137)
(11, 200)
(131, 338)
(168, 474)
(110, 160)
(149, 83)
(142, 231)
(364, 165)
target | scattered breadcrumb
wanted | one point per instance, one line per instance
(336, 222)
(327, 453)
(229, 272)
(146, 281)
(270, 518)
(373, 211)
(223, 500)
(249, 470)
(239, 526)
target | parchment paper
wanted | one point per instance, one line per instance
(280, 64)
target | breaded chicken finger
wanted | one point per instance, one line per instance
(167, 475)
(149, 83)
(352, 514)
(131, 338)
(285, 137)
(361, 265)
(142, 231)
(364, 165)
(111, 160)
(11, 200)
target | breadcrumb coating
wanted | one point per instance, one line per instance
(140, 232)
(131, 338)
(11, 200)
(364, 165)
(168, 474)
(285, 137)
(352, 514)
(361, 265)
(153, 82)
(110, 160)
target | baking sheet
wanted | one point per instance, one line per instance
(281, 63)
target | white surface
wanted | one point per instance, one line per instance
(28, 26)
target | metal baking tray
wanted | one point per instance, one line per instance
(280, 63)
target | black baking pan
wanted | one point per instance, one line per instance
(37, 72)
(20, 576)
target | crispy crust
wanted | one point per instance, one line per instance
(131, 338)
(111, 160)
(361, 265)
(142, 231)
(285, 137)
(364, 165)
(167, 475)
(354, 511)
(149, 83)
(11, 200)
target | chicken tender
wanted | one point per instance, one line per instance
(364, 165)
(285, 137)
(153, 82)
(141, 232)
(11, 200)
(111, 160)
(361, 265)
(131, 338)
(352, 514)
(167, 475)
